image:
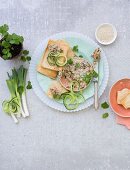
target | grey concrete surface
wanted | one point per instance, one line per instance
(49, 139)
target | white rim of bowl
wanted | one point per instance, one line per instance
(115, 34)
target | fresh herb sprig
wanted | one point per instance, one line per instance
(105, 105)
(29, 85)
(8, 40)
(75, 48)
(105, 115)
(25, 56)
(88, 77)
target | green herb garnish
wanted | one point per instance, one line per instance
(80, 56)
(105, 115)
(70, 61)
(56, 96)
(88, 77)
(105, 105)
(24, 57)
(29, 85)
(25, 52)
(77, 65)
(75, 48)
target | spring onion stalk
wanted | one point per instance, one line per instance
(22, 73)
(16, 83)
(14, 118)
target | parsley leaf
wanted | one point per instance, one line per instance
(105, 115)
(105, 105)
(95, 74)
(80, 56)
(23, 58)
(28, 58)
(29, 85)
(77, 65)
(25, 52)
(70, 61)
(4, 29)
(75, 48)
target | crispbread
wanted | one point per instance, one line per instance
(63, 45)
(47, 72)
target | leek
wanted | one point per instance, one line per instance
(17, 87)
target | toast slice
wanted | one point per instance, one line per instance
(47, 72)
(62, 45)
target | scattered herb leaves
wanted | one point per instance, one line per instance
(75, 48)
(105, 105)
(29, 85)
(80, 56)
(28, 58)
(88, 77)
(105, 115)
(77, 65)
(25, 52)
(70, 61)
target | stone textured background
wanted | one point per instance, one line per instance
(49, 139)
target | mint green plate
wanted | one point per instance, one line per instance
(86, 47)
(86, 50)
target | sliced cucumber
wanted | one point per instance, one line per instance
(61, 60)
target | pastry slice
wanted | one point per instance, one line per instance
(47, 72)
(61, 45)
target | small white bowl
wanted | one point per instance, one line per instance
(114, 36)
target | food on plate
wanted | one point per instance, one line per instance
(47, 72)
(76, 69)
(72, 72)
(55, 90)
(123, 98)
(96, 54)
(55, 55)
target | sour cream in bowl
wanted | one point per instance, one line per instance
(106, 34)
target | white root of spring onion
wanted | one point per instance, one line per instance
(24, 103)
(14, 118)
(22, 112)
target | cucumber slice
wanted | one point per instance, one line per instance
(61, 60)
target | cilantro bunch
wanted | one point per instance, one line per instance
(8, 41)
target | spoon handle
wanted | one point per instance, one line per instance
(96, 95)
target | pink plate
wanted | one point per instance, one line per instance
(119, 109)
